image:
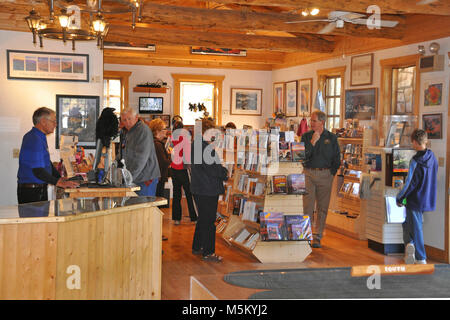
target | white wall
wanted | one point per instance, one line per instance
(434, 223)
(19, 99)
(233, 79)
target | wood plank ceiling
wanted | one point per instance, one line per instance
(257, 26)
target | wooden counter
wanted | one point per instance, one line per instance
(107, 248)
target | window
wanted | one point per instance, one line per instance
(403, 84)
(112, 95)
(197, 89)
(115, 89)
(333, 101)
(330, 84)
(195, 92)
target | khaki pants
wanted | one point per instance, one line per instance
(318, 187)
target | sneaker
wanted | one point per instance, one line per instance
(421, 262)
(316, 244)
(212, 258)
(410, 253)
(176, 222)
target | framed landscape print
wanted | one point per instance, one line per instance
(432, 124)
(55, 66)
(304, 96)
(77, 116)
(291, 99)
(278, 97)
(361, 70)
(360, 103)
(246, 101)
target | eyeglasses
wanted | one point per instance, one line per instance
(53, 121)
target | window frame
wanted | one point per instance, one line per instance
(322, 76)
(216, 80)
(123, 76)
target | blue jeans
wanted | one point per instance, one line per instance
(413, 232)
(149, 190)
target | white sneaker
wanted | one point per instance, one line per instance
(421, 261)
(410, 254)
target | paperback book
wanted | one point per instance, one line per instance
(298, 151)
(296, 183)
(272, 226)
(298, 227)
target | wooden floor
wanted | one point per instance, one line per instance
(178, 263)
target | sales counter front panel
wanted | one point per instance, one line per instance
(84, 248)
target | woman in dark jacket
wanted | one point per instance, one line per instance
(206, 185)
(158, 128)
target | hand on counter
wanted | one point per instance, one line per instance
(64, 183)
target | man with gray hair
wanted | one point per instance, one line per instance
(322, 160)
(36, 171)
(138, 151)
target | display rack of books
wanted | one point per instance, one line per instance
(266, 212)
(345, 213)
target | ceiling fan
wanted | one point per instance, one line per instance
(337, 19)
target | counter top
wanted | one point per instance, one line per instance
(71, 209)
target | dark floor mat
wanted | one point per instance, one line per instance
(337, 283)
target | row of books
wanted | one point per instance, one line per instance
(249, 185)
(245, 238)
(246, 209)
(287, 184)
(278, 226)
(252, 161)
(353, 148)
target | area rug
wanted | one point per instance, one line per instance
(337, 283)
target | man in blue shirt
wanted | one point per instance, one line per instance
(36, 170)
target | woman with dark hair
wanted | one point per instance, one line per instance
(207, 185)
(180, 179)
(159, 131)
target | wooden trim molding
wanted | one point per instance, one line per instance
(216, 80)
(447, 187)
(124, 79)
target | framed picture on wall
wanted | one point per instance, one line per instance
(291, 99)
(361, 70)
(35, 65)
(77, 116)
(432, 94)
(246, 101)
(360, 103)
(304, 96)
(432, 124)
(278, 97)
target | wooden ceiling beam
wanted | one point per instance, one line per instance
(220, 40)
(437, 7)
(247, 20)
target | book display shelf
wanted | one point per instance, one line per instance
(257, 219)
(346, 214)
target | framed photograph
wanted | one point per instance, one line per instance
(278, 97)
(291, 99)
(360, 103)
(304, 96)
(432, 124)
(246, 101)
(77, 116)
(33, 65)
(432, 95)
(361, 72)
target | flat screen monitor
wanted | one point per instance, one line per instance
(150, 105)
(400, 160)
